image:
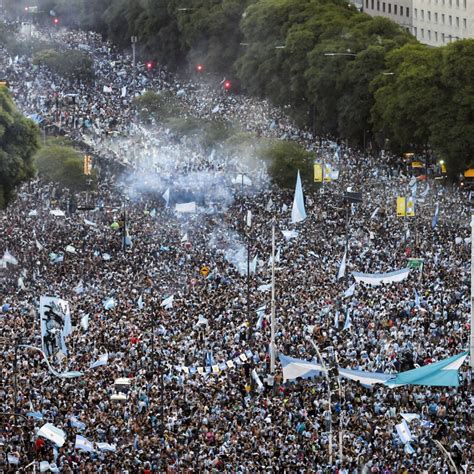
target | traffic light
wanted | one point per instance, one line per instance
(87, 165)
(56, 21)
(149, 65)
(26, 9)
(227, 85)
(199, 68)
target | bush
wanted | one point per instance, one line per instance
(284, 159)
(63, 165)
(158, 107)
(72, 64)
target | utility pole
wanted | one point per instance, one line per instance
(471, 345)
(133, 40)
(248, 226)
(272, 322)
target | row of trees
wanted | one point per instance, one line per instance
(382, 86)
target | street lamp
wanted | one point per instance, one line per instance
(340, 54)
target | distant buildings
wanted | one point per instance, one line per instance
(433, 22)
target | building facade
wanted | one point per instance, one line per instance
(433, 22)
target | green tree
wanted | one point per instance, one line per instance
(63, 165)
(284, 159)
(157, 106)
(406, 99)
(452, 121)
(18, 143)
(72, 64)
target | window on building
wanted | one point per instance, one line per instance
(457, 22)
(408, 11)
(436, 36)
(372, 4)
(415, 32)
(465, 3)
(450, 20)
(436, 18)
(457, 3)
(442, 18)
(390, 8)
(429, 35)
(422, 32)
(429, 16)
(442, 37)
(464, 22)
(378, 5)
(416, 12)
(401, 10)
(395, 8)
(383, 7)
(450, 3)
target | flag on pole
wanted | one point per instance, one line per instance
(166, 197)
(434, 222)
(342, 268)
(404, 432)
(298, 212)
(348, 322)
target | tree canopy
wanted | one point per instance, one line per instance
(18, 143)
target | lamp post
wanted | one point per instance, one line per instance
(134, 41)
(272, 320)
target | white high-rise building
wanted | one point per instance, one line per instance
(433, 22)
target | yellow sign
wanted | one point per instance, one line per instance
(405, 207)
(318, 173)
(204, 271)
(401, 206)
(87, 165)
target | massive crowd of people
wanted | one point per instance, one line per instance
(233, 418)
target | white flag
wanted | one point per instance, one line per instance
(90, 223)
(167, 303)
(374, 213)
(39, 246)
(124, 91)
(184, 238)
(290, 234)
(269, 205)
(253, 265)
(109, 303)
(79, 288)
(140, 302)
(9, 258)
(298, 212)
(248, 220)
(342, 268)
(348, 322)
(85, 322)
(106, 447)
(107, 89)
(70, 249)
(166, 197)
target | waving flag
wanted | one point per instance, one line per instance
(298, 212)
(342, 268)
(167, 303)
(84, 444)
(53, 434)
(434, 222)
(404, 432)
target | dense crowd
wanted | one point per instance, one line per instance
(176, 419)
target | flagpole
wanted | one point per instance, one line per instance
(272, 321)
(471, 345)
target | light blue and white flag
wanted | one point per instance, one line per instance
(434, 222)
(79, 288)
(336, 320)
(166, 197)
(408, 449)
(109, 303)
(167, 303)
(374, 213)
(404, 432)
(106, 447)
(75, 423)
(409, 417)
(53, 434)
(102, 360)
(84, 444)
(298, 212)
(140, 302)
(350, 291)
(342, 267)
(417, 299)
(127, 239)
(296, 368)
(85, 322)
(261, 316)
(348, 322)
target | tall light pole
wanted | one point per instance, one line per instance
(272, 320)
(471, 344)
(133, 40)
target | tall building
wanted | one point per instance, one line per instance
(399, 11)
(437, 22)
(433, 22)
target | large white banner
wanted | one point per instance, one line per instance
(55, 318)
(381, 278)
